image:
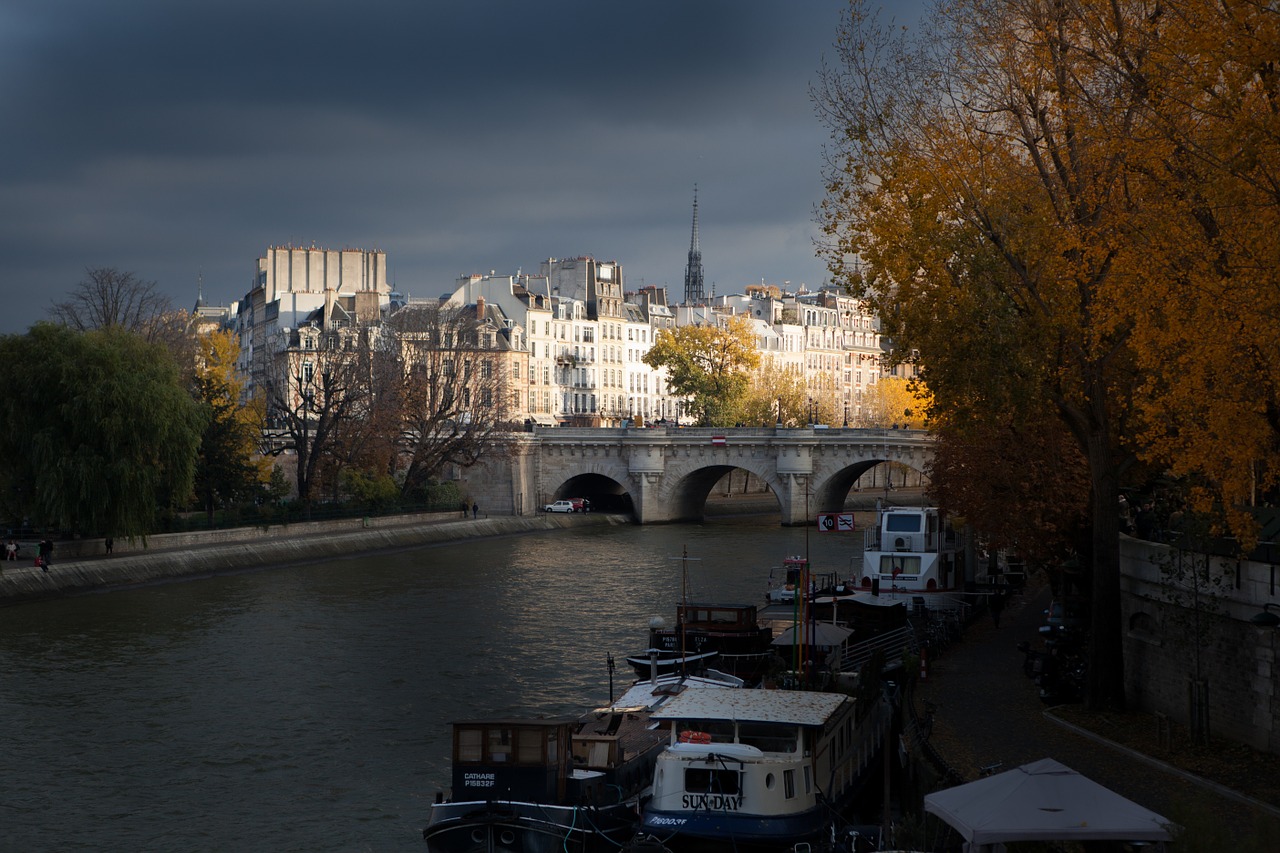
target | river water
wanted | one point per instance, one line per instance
(307, 707)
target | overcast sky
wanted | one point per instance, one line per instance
(180, 140)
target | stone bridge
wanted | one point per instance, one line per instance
(666, 474)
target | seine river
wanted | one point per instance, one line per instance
(308, 707)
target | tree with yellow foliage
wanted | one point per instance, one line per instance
(227, 466)
(710, 365)
(1072, 207)
(775, 394)
(978, 201)
(1207, 258)
(894, 402)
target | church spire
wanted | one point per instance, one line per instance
(693, 293)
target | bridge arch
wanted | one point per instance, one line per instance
(685, 489)
(668, 472)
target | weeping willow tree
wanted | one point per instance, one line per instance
(96, 430)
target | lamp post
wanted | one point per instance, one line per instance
(1267, 619)
(846, 414)
(813, 417)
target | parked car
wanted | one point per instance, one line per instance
(559, 506)
(580, 504)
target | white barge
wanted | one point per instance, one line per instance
(760, 767)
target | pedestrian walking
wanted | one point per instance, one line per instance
(108, 542)
(46, 553)
(475, 511)
(464, 509)
(11, 550)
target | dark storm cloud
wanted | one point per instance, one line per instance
(177, 140)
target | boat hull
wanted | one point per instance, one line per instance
(513, 827)
(695, 830)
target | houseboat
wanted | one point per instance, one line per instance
(914, 551)
(760, 768)
(731, 632)
(795, 576)
(563, 784)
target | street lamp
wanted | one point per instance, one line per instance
(846, 414)
(812, 416)
(1267, 619)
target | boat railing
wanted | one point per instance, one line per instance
(874, 539)
(891, 645)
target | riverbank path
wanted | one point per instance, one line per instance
(988, 712)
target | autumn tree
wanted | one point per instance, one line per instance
(226, 468)
(981, 171)
(775, 394)
(710, 365)
(1018, 478)
(1207, 264)
(452, 401)
(96, 430)
(894, 402)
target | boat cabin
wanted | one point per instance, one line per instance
(526, 760)
(707, 627)
(912, 548)
(759, 767)
(717, 617)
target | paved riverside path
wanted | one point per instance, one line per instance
(169, 557)
(988, 711)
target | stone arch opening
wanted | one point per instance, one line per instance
(605, 493)
(837, 491)
(691, 494)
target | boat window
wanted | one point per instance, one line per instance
(895, 565)
(808, 780)
(788, 783)
(895, 523)
(720, 731)
(499, 744)
(529, 746)
(469, 744)
(767, 738)
(706, 780)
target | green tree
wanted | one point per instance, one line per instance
(96, 430)
(710, 365)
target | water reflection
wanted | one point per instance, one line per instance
(307, 707)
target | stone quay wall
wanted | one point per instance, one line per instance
(1190, 649)
(81, 566)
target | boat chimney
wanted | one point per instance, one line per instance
(875, 586)
(653, 667)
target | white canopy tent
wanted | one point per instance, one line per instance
(1042, 801)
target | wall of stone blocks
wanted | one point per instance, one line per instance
(1194, 621)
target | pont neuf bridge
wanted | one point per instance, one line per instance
(665, 474)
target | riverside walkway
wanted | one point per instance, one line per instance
(988, 711)
(81, 566)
